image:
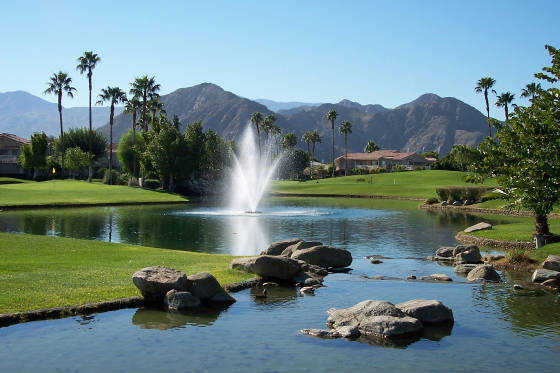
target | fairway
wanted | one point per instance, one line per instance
(412, 184)
(41, 272)
(72, 192)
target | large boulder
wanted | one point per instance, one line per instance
(268, 266)
(464, 269)
(352, 316)
(203, 285)
(445, 252)
(427, 311)
(180, 300)
(155, 282)
(542, 274)
(470, 255)
(483, 272)
(478, 227)
(300, 246)
(552, 262)
(324, 256)
(276, 248)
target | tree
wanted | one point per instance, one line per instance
(293, 164)
(115, 96)
(289, 141)
(80, 137)
(315, 139)
(59, 84)
(194, 140)
(504, 100)
(257, 119)
(531, 90)
(86, 63)
(525, 152)
(431, 154)
(34, 155)
(307, 138)
(144, 88)
(131, 107)
(76, 159)
(275, 132)
(127, 151)
(345, 129)
(216, 155)
(268, 124)
(371, 147)
(331, 117)
(483, 85)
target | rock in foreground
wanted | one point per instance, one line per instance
(427, 311)
(541, 275)
(324, 256)
(483, 272)
(300, 246)
(155, 282)
(180, 300)
(276, 248)
(552, 262)
(268, 266)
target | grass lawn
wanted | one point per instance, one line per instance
(541, 254)
(416, 184)
(41, 272)
(65, 192)
(520, 229)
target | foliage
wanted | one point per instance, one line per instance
(491, 196)
(34, 154)
(76, 159)
(460, 158)
(474, 178)
(293, 164)
(79, 137)
(127, 151)
(460, 193)
(289, 141)
(216, 157)
(113, 180)
(194, 141)
(151, 183)
(431, 201)
(371, 147)
(431, 154)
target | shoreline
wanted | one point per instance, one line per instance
(329, 195)
(88, 204)
(492, 243)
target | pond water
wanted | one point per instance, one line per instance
(496, 328)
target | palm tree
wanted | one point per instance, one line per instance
(483, 85)
(307, 138)
(257, 119)
(331, 117)
(504, 100)
(289, 141)
(371, 147)
(59, 84)
(132, 106)
(144, 88)
(315, 139)
(268, 123)
(115, 96)
(275, 131)
(345, 129)
(531, 90)
(86, 64)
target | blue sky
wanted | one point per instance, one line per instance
(385, 52)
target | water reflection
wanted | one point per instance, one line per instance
(147, 318)
(276, 295)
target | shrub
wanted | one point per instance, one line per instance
(359, 171)
(443, 193)
(361, 180)
(398, 168)
(474, 193)
(473, 178)
(517, 256)
(114, 179)
(492, 195)
(151, 184)
(431, 201)
(418, 168)
(457, 193)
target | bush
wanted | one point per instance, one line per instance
(517, 256)
(492, 195)
(361, 180)
(456, 193)
(378, 170)
(151, 184)
(443, 194)
(473, 178)
(418, 168)
(398, 168)
(114, 179)
(431, 201)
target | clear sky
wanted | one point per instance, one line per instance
(384, 52)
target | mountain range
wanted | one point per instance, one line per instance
(430, 122)
(277, 106)
(22, 114)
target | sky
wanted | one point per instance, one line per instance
(372, 52)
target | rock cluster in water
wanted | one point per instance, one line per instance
(468, 262)
(380, 321)
(549, 274)
(177, 291)
(297, 262)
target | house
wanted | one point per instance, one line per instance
(386, 159)
(10, 149)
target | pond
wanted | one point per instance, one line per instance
(496, 328)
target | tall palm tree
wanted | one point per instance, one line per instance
(59, 84)
(275, 131)
(257, 120)
(132, 106)
(371, 147)
(315, 139)
(504, 100)
(144, 88)
(484, 85)
(307, 138)
(115, 96)
(345, 129)
(331, 117)
(531, 90)
(289, 141)
(86, 64)
(268, 123)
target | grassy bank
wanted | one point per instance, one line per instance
(70, 192)
(40, 272)
(518, 229)
(413, 184)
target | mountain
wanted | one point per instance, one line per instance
(219, 110)
(22, 114)
(276, 106)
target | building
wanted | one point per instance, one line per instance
(386, 159)
(10, 149)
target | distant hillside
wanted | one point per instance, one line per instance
(277, 106)
(22, 114)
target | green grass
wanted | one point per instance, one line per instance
(415, 184)
(519, 229)
(41, 272)
(541, 254)
(67, 192)
(11, 180)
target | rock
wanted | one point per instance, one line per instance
(352, 316)
(324, 256)
(517, 287)
(268, 266)
(553, 282)
(377, 256)
(437, 277)
(276, 248)
(444, 203)
(552, 262)
(390, 327)
(222, 297)
(483, 272)
(376, 261)
(204, 286)
(273, 284)
(180, 300)
(427, 311)
(431, 258)
(478, 227)
(457, 203)
(155, 282)
(288, 251)
(339, 270)
(445, 252)
(313, 269)
(307, 290)
(328, 334)
(541, 275)
(411, 277)
(307, 279)
(459, 249)
(492, 257)
(471, 255)
(464, 269)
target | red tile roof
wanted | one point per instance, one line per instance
(376, 155)
(15, 138)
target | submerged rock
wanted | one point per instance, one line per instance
(541, 275)
(268, 266)
(552, 262)
(288, 251)
(155, 282)
(427, 311)
(437, 277)
(276, 248)
(324, 256)
(180, 300)
(483, 272)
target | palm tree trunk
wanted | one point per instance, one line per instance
(259, 140)
(134, 143)
(313, 150)
(488, 112)
(332, 148)
(346, 154)
(541, 225)
(506, 110)
(90, 167)
(110, 180)
(61, 131)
